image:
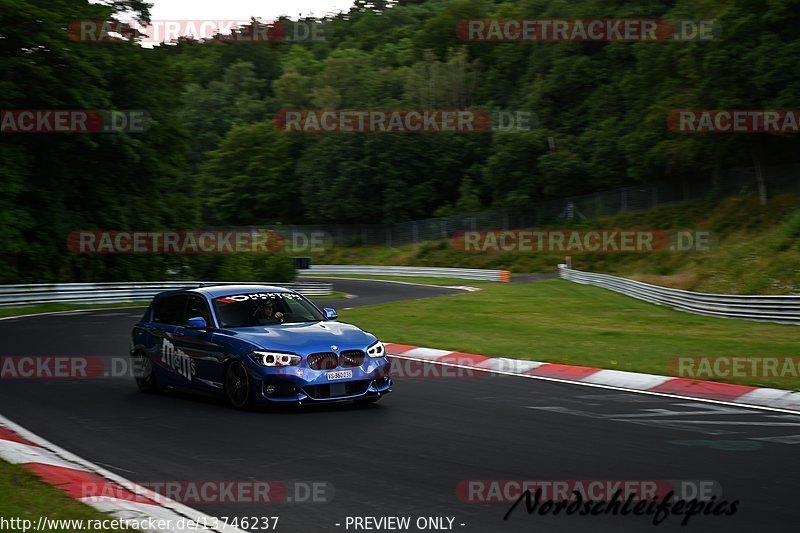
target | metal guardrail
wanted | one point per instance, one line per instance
(434, 272)
(32, 294)
(782, 309)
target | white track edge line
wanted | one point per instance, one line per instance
(601, 386)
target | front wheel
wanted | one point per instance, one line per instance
(237, 385)
(144, 374)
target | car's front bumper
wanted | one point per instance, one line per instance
(301, 384)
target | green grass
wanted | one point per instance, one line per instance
(50, 308)
(758, 249)
(26, 497)
(562, 322)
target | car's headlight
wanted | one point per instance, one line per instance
(275, 359)
(376, 350)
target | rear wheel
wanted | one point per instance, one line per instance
(237, 385)
(144, 374)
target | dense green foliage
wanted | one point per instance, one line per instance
(212, 156)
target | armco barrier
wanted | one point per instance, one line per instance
(16, 295)
(433, 272)
(782, 309)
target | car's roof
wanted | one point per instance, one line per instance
(215, 291)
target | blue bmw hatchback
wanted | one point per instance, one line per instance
(256, 344)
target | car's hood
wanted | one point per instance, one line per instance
(305, 338)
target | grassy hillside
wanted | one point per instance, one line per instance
(757, 249)
(561, 322)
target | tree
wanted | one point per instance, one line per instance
(248, 179)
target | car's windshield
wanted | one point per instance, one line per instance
(264, 308)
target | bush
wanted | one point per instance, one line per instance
(260, 268)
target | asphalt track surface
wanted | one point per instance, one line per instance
(406, 455)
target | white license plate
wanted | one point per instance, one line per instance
(342, 374)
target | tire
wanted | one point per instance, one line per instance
(144, 374)
(237, 385)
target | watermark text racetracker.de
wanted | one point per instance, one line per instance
(73, 121)
(454, 367)
(734, 366)
(216, 491)
(658, 499)
(79, 367)
(68, 367)
(734, 121)
(62, 367)
(581, 241)
(403, 121)
(229, 31)
(586, 30)
(194, 242)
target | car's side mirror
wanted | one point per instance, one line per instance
(197, 322)
(330, 313)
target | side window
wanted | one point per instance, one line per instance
(169, 310)
(197, 307)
